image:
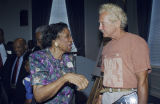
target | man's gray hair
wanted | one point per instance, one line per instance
(43, 28)
(115, 13)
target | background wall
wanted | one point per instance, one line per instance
(92, 34)
(132, 16)
(10, 19)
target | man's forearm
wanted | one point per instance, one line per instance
(143, 92)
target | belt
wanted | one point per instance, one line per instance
(107, 89)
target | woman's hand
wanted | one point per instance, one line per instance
(79, 80)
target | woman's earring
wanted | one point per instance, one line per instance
(56, 44)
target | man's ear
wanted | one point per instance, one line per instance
(118, 23)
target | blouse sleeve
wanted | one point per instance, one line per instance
(39, 73)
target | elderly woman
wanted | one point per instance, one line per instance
(52, 71)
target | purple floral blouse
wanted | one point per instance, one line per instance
(45, 69)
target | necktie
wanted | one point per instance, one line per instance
(15, 72)
(1, 62)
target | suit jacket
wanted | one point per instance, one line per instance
(36, 48)
(15, 94)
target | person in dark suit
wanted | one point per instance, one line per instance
(3, 54)
(3, 57)
(3, 95)
(14, 72)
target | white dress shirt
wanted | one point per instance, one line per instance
(3, 53)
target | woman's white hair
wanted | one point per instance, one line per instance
(115, 13)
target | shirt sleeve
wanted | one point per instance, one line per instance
(3, 53)
(28, 88)
(140, 55)
(39, 72)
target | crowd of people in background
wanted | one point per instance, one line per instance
(18, 82)
(15, 87)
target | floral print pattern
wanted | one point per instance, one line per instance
(45, 69)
